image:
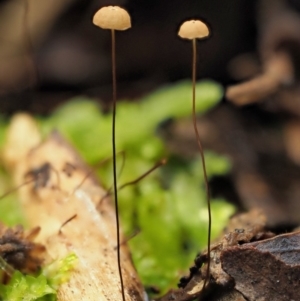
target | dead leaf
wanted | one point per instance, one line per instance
(266, 270)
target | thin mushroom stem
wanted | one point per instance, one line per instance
(194, 64)
(114, 83)
(114, 18)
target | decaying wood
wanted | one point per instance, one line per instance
(63, 199)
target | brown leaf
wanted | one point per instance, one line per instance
(266, 270)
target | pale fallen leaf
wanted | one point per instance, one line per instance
(62, 187)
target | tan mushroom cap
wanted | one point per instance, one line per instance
(193, 29)
(112, 17)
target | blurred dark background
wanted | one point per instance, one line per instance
(50, 53)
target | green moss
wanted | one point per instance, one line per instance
(26, 288)
(42, 287)
(169, 206)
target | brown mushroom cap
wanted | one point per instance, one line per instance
(112, 17)
(193, 29)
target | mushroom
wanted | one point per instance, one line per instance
(114, 18)
(192, 30)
